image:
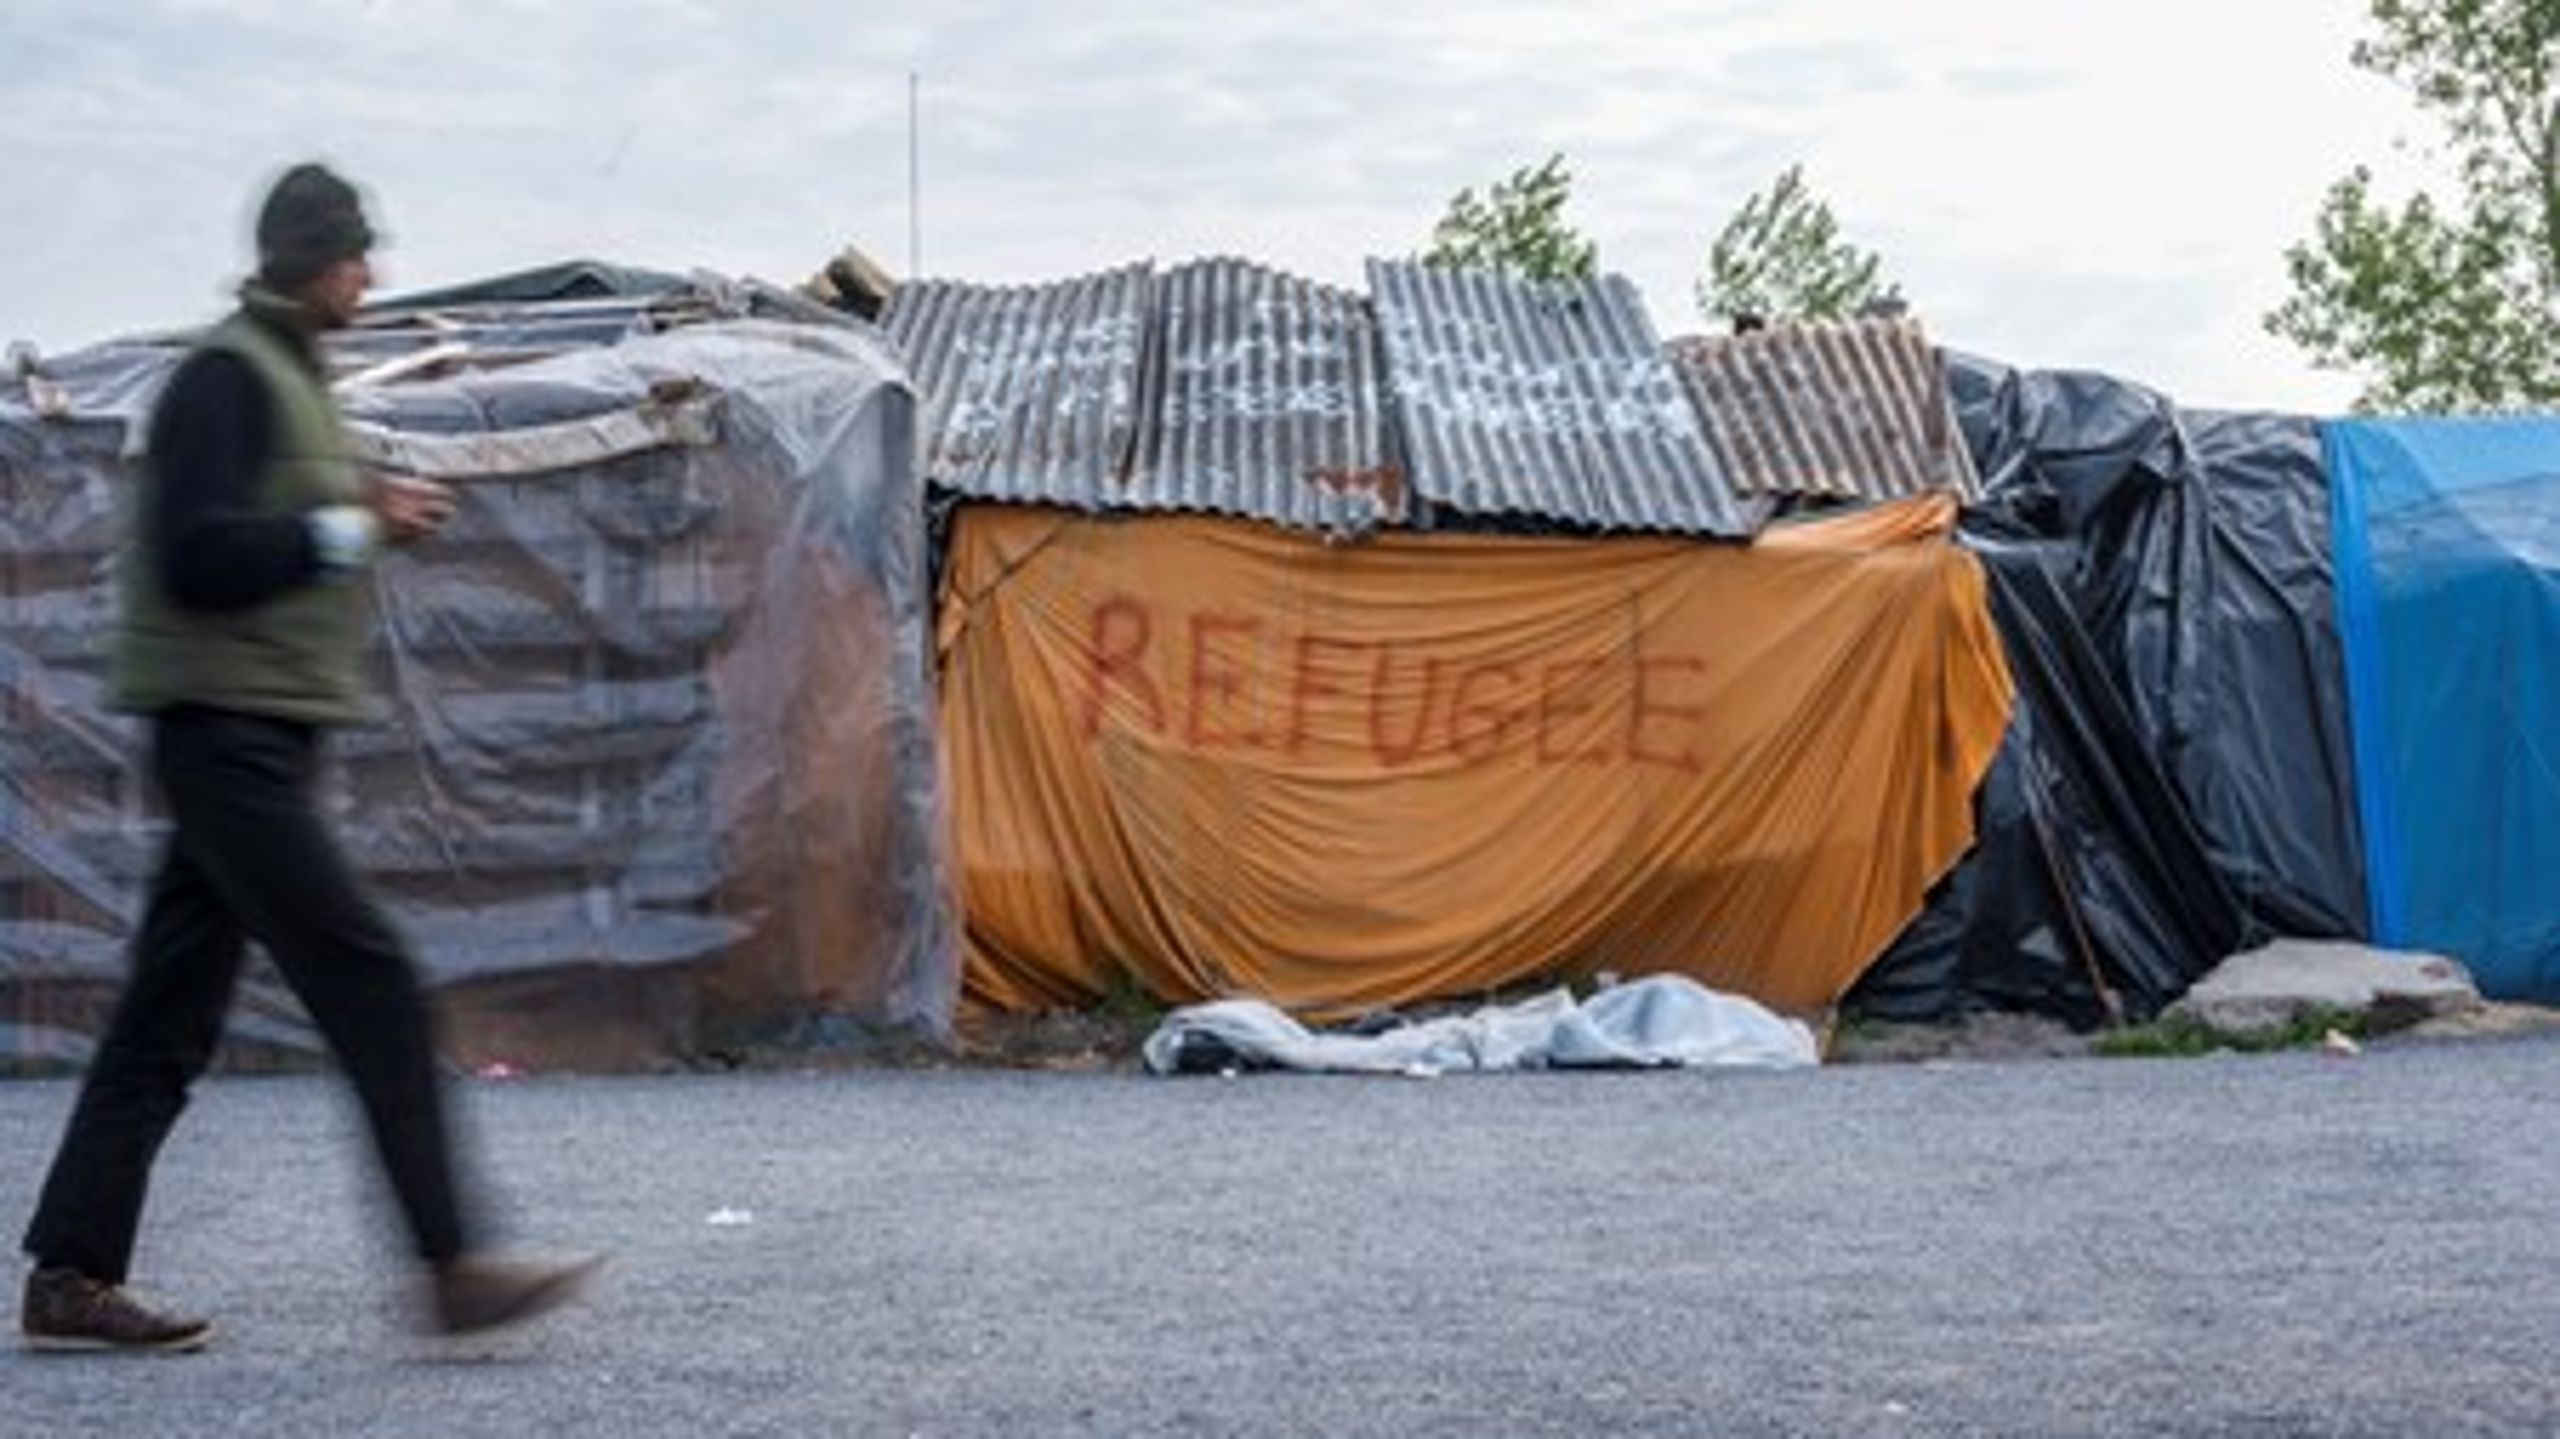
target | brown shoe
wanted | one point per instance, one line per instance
(64, 1311)
(474, 1295)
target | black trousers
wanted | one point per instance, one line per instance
(250, 858)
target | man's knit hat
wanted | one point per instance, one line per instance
(310, 221)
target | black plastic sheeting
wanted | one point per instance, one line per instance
(2177, 783)
(2089, 894)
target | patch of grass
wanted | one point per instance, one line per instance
(2179, 1037)
(1863, 1029)
(1127, 1001)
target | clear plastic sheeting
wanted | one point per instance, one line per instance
(564, 280)
(2449, 590)
(1662, 1022)
(658, 774)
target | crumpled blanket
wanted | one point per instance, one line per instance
(1665, 1021)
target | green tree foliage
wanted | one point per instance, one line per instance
(1781, 258)
(2454, 303)
(1517, 227)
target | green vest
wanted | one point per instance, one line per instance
(299, 655)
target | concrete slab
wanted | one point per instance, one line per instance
(2290, 979)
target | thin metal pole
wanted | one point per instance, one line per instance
(915, 185)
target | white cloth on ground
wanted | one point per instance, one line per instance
(1659, 1022)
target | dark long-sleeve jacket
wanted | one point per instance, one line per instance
(211, 438)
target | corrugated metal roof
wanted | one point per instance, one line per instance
(1227, 387)
(1030, 392)
(1263, 397)
(1546, 399)
(1857, 409)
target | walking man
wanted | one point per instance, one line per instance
(242, 638)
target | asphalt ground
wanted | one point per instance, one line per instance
(2275, 1245)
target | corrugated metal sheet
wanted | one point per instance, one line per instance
(1856, 409)
(1030, 392)
(1553, 400)
(1264, 398)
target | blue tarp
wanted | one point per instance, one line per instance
(2447, 536)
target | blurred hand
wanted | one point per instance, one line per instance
(410, 509)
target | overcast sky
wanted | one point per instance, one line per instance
(2053, 182)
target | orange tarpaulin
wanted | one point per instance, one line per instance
(1216, 758)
